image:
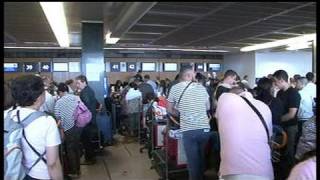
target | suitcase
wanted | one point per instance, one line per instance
(105, 126)
(176, 152)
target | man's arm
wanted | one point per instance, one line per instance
(53, 162)
(290, 115)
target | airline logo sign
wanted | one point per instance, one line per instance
(45, 67)
(31, 67)
(131, 66)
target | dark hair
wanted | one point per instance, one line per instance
(310, 76)
(185, 68)
(26, 89)
(201, 78)
(62, 87)
(177, 77)
(82, 78)
(281, 74)
(133, 85)
(8, 99)
(296, 77)
(68, 82)
(230, 73)
(263, 90)
(146, 76)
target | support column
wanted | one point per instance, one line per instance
(314, 56)
(92, 57)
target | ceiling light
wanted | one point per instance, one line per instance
(56, 17)
(307, 37)
(296, 46)
(122, 48)
(110, 40)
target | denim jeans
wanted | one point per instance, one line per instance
(195, 142)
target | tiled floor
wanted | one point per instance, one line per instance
(122, 161)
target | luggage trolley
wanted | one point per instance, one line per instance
(162, 160)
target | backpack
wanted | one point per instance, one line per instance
(82, 115)
(13, 154)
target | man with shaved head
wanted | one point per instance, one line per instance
(194, 122)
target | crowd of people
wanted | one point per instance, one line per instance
(243, 118)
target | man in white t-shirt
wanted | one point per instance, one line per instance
(245, 152)
(42, 133)
(49, 103)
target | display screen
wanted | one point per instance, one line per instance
(115, 66)
(199, 67)
(11, 67)
(214, 67)
(170, 67)
(45, 67)
(60, 67)
(148, 66)
(131, 66)
(31, 67)
(74, 66)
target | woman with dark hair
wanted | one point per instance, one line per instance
(42, 133)
(9, 102)
(63, 111)
(264, 93)
(162, 88)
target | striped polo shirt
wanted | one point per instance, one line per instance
(193, 105)
(64, 110)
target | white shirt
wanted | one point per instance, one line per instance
(41, 133)
(306, 104)
(311, 88)
(49, 103)
(131, 94)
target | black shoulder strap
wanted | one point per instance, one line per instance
(183, 92)
(260, 116)
(30, 118)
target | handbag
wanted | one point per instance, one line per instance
(274, 146)
(175, 115)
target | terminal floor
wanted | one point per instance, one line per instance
(123, 161)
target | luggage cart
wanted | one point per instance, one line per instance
(161, 162)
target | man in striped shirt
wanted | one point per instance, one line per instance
(194, 122)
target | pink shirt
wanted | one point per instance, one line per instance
(244, 143)
(305, 170)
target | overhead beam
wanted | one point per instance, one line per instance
(129, 16)
(250, 23)
(193, 21)
(263, 34)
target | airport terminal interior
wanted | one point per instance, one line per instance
(154, 90)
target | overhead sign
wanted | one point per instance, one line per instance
(45, 67)
(131, 66)
(115, 66)
(31, 67)
(60, 67)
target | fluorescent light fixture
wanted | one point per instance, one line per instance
(120, 48)
(304, 38)
(301, 45)
(110, 40)
(56, 17)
